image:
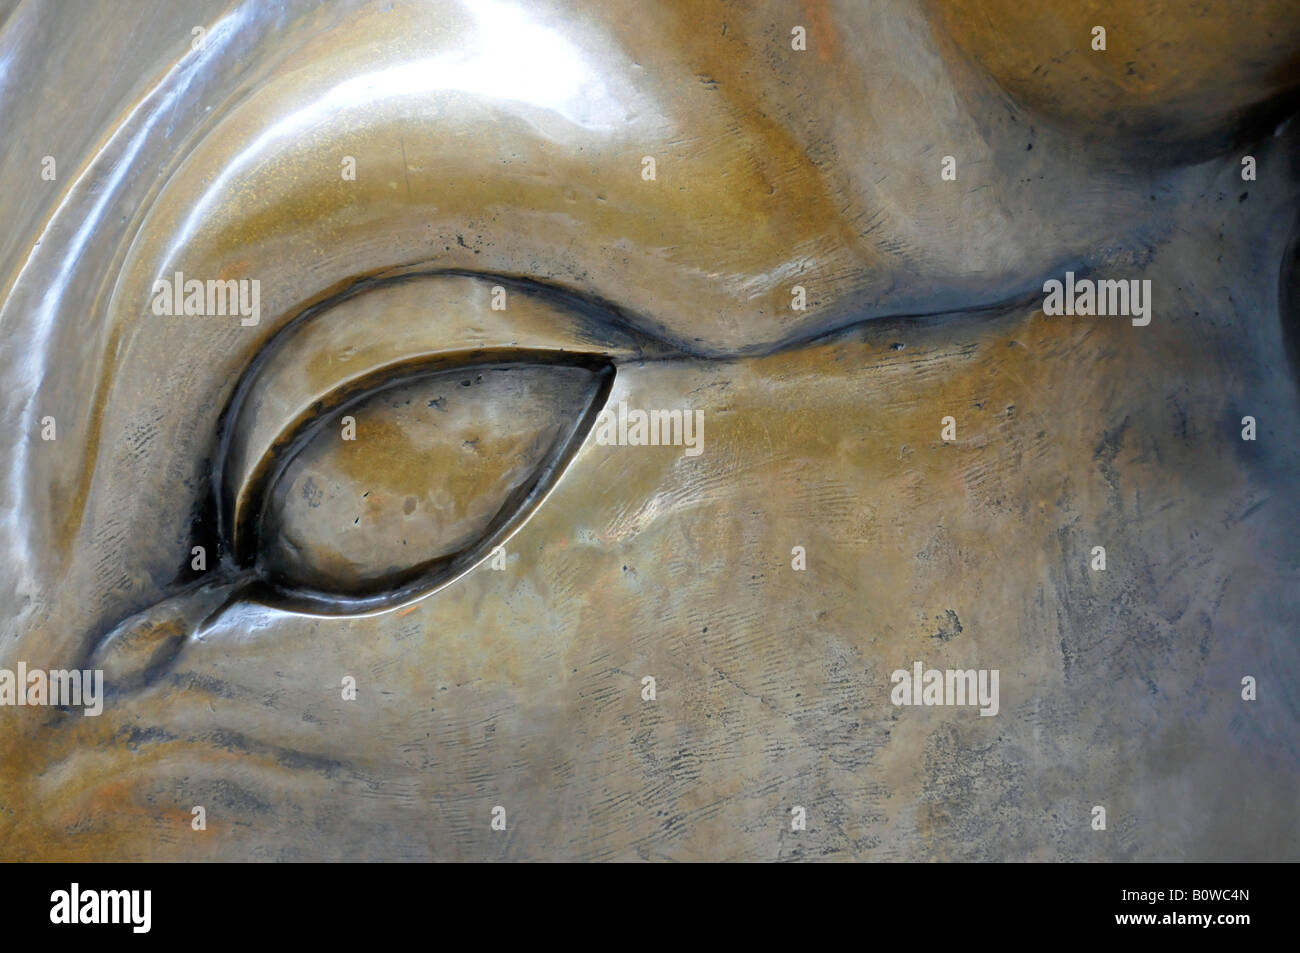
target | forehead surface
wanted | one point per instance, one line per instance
(684, 162)
(688, 163)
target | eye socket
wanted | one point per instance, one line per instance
(411, 480)
(469, 393)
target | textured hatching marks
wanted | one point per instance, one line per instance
(1107, 449)
(140, 432)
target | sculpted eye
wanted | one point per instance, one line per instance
(383, 444)
(413, 480)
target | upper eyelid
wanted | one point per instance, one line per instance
(378, 328)
(1028, 297)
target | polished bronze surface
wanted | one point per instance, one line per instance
(605, 205)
